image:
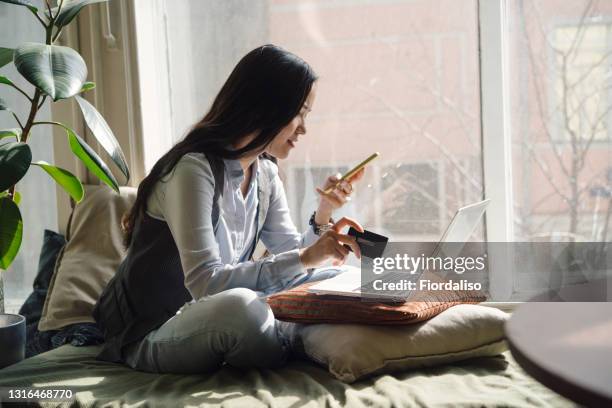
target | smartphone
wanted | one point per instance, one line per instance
(354, 170)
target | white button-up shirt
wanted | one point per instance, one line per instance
(214, 261)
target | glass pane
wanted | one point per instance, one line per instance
(419, 182)
(561, 75)
(400, 77)
(38, 205)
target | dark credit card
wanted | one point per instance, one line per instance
(372, 245)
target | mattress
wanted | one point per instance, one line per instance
(492, 381)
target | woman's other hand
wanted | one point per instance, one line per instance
(330, 246)
(337, 197)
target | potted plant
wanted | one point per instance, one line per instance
(55, 72)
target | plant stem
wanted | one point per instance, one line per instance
(49, 9)
(57, 34)
(21, 91)
(59, 9)
(42, 102)
(49, 33)
(37, 93)
(31, 116)
(39, 19)
(59, 29)
(18, 121)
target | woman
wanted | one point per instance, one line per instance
(195, 223)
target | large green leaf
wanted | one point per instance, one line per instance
(11, 231)
(58, 71)
(15, 132)
(6, 55)
(5, 80)
(22, 3)
(65, 179)
(70, 9)
(91, 159)
(15, 158)
(103, 134)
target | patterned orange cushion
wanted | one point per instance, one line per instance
(299, 305)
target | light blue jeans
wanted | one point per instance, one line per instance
(235, 326)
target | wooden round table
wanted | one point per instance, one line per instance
(567, 347)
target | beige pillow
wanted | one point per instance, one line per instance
(351, 351)
(89, 259)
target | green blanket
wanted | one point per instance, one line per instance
(482, 382)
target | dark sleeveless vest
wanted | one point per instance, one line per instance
(148, 288)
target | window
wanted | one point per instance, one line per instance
(431, 191)
(38, 205)
(560, 90)
(497, 98)
(394, 78)
(414, 193)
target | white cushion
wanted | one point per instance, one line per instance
(352, 351)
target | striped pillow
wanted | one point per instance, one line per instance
(299, 305)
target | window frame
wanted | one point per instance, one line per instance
(494, 105)
(496, 139)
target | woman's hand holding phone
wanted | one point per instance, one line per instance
(330, 246)
(337, 190)
(334, 194)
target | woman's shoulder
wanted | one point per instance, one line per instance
(191, 164)
(194, 158)
(269, 167)
(195, 163)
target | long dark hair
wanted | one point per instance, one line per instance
(264, 92)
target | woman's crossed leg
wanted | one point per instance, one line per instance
(236, 326)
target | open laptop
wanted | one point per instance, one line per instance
(460, 229)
